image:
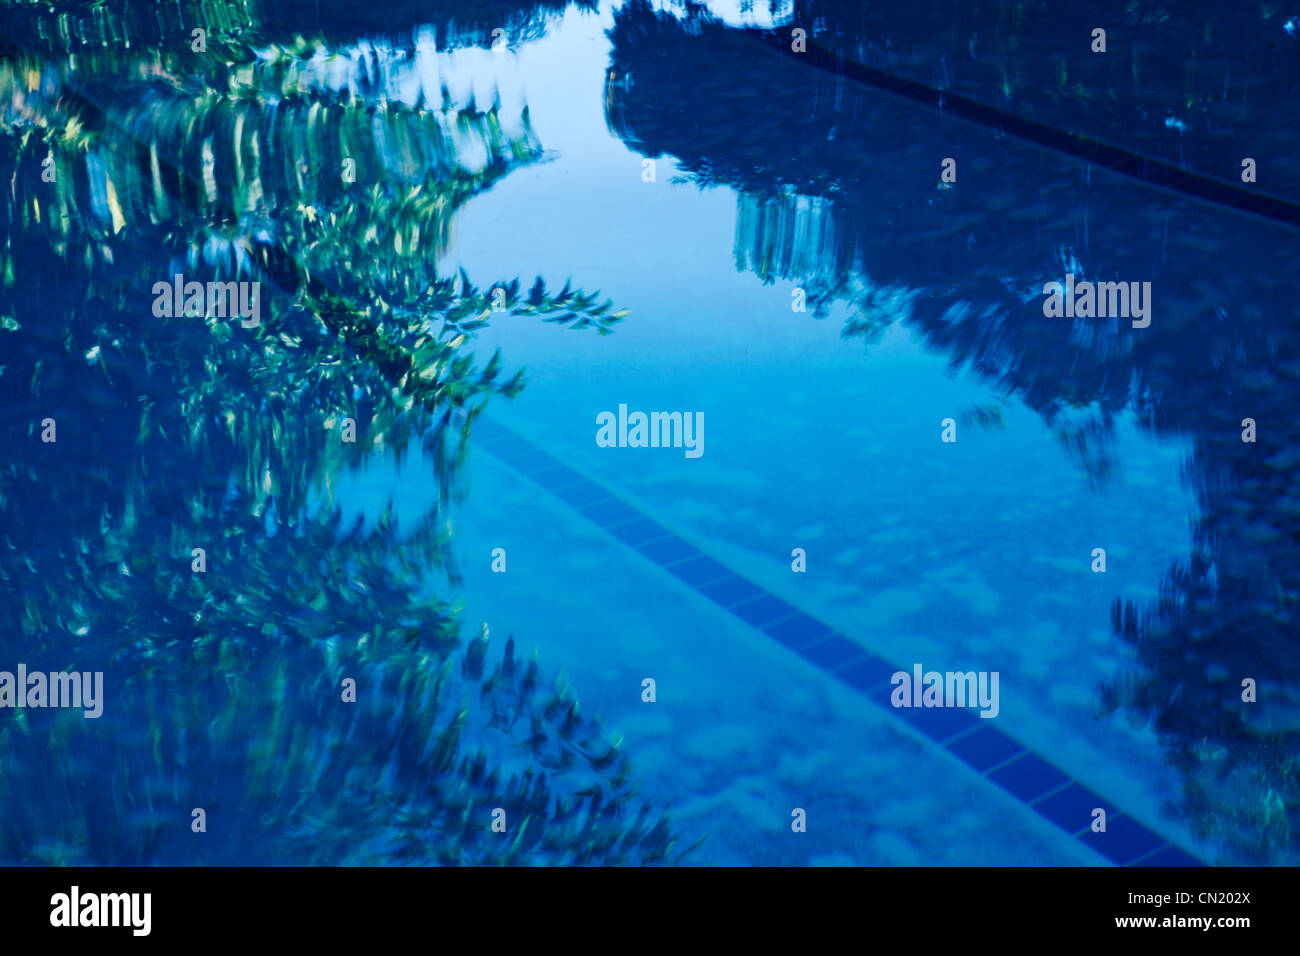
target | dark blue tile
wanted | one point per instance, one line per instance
(491, 432)
(798, 631)
(523, 456)
(1071, 808)
(557, 475)
(867, 672)
(666, 550)
(534, 462)
(609, 512)
(491, 439)
(829, 654)
(1124, 840)
(985, 748)
(938, 723)
(764, 610)
(1170, 856)
(581, 494)
(542, 457)
(1028, 777)
(639, 531)
(700, 571)
(731, 590)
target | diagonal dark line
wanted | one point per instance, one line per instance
(1147, 169)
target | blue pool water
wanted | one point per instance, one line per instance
(968, 556)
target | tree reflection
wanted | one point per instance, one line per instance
(129, 157)
(838, 191)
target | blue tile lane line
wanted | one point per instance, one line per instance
(1027, 777)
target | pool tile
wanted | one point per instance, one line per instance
(731, 590)
(639, 531)
(1071, 808)
(938, 723)
(985, 748)
(798, 631)
(767, 609)
(524, 457)
(609, 512)
(581, 494)
(666, 550)
(866, 673)
(490, 437)
(836, 651)
(1169, 856)
(700, 571)
(490, 428)
(558, 476)
(1124, 841)
(1028, 777)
